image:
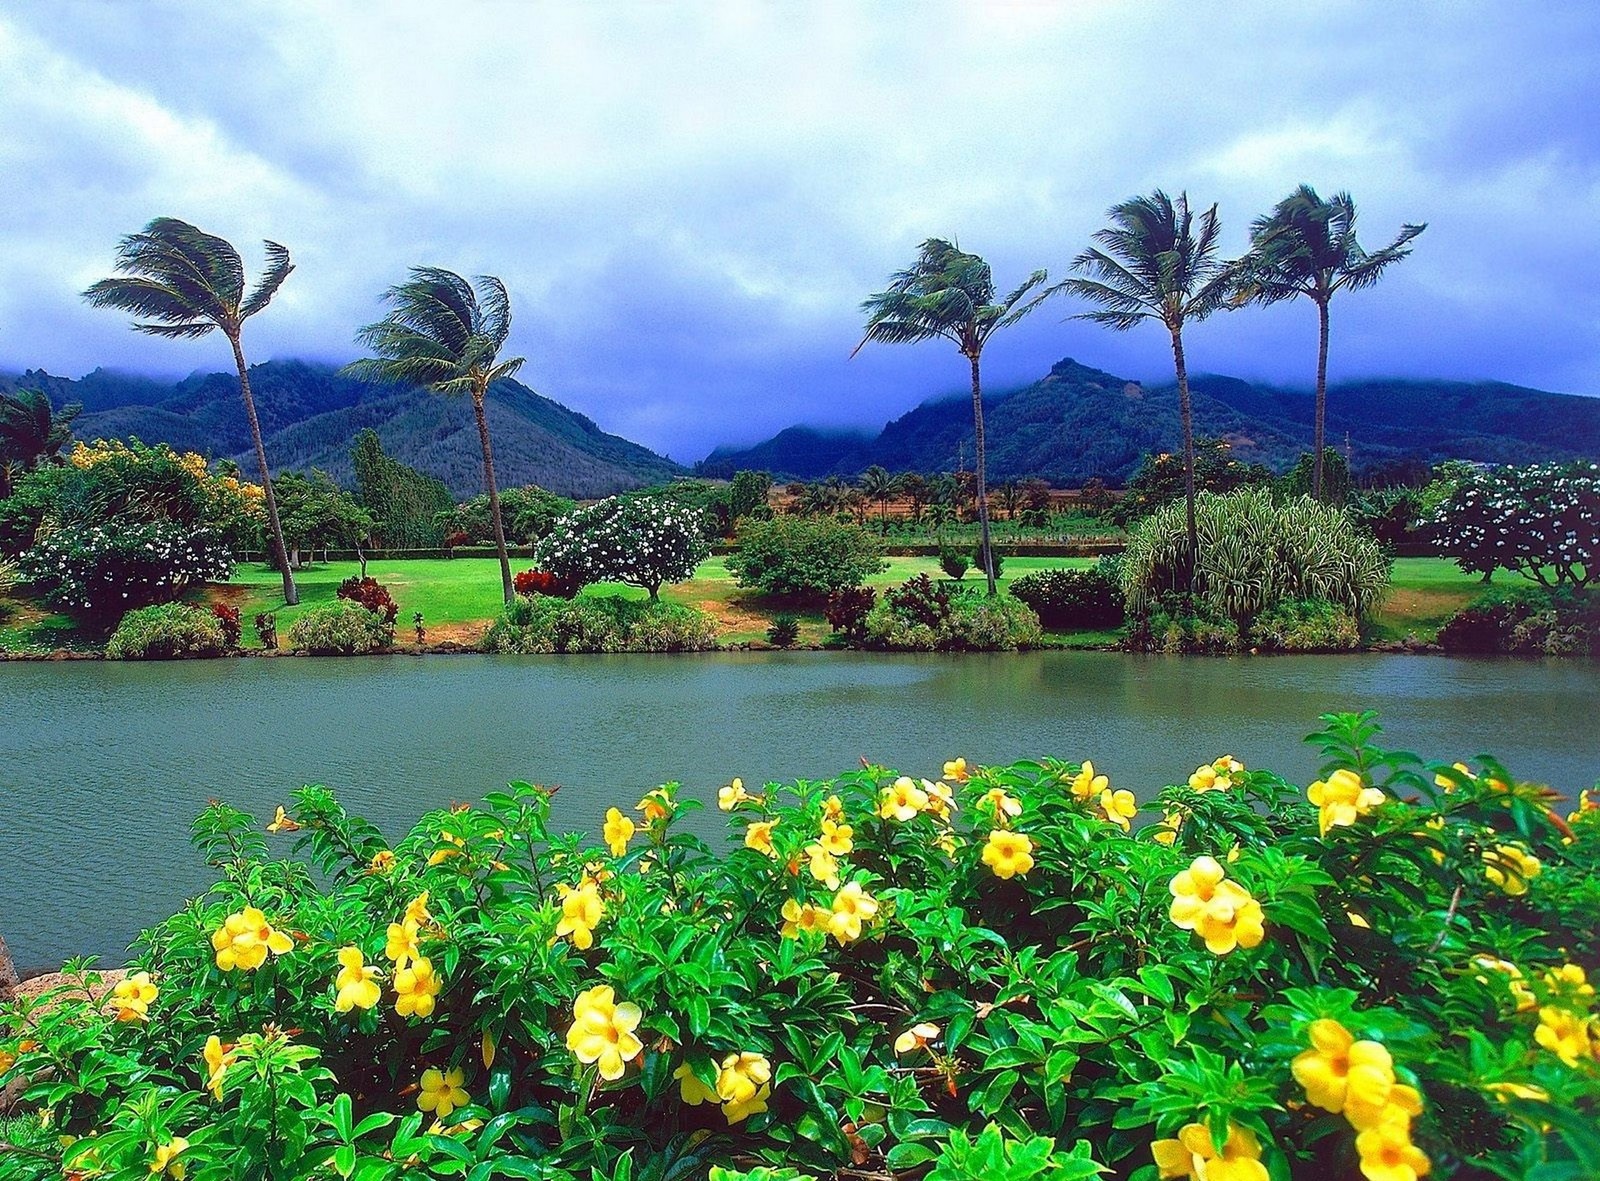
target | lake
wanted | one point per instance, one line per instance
(104, 765)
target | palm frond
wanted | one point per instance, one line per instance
(278, 268)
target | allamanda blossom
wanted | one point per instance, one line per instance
(1341, 799)
(245, 938)
(1220, 911)
(902, 801)
(1086, 785)
(852, 906)
(602, 1031)
(581, 912)
(1511, 867)
(1194, 1155)
(442, 1092)
(1008, 853)
(357, 982)
(618, 832)
(133, 996)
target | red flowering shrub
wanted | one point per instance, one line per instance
(372, 595)
(542, 582)
(459, 537)
(228, 618)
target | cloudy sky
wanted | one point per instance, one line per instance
(689, 201)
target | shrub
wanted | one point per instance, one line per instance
(167, 631)
(1306, 625)
(94, 571)
(1526, 621)
(920, 615)
(1072, 600)
(340, 628)
(783, 631)
(228, 620)
(846, 612)
(953, 562)
(599, 623)
(994, 556)
(1180, 625)
(542, 582)
(527, 514)
(267, 629)
(1254, 552)
(804, 557)
(920, 600)
(8, 576)
(642, 541)
(998, 624)
(989, 969)
(371, 594)
(1542, 521)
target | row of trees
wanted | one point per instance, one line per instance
(1157, 261)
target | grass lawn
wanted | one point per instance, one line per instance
(458, 597)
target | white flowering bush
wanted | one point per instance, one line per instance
(642, 541)
(102, 570)
(1542, 521)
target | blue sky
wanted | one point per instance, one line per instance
(689, 201)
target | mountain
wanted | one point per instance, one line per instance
(309, 414)
(1078, 422)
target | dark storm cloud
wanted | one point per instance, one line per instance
(689, 202)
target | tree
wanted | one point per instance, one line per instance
(914, 487)
(31, 431)
(950, 294)
(1542, 521)
(747, 496)
(317, 513)
(808, 559)
(640, 540)
(445, 336)
(181, 282)
(1307, 247)
(878, 486)
(405, 504)
(1158, 262)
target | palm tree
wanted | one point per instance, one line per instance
(1307, 247)
(950, 294)
(879, 486)
(446, 337)
(1159, 262)
(181, 282)
(31, 431)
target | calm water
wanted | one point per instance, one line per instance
(102, 766)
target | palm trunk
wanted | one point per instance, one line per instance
(494, 492)
(1185, 413)
(1321, 410)
(291, 596)
(983, 489)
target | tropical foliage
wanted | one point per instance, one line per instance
(599, 623)
(1542, 521)
(1072, 599)
(31, 432)
(955, 976)
(168, 631)
(804, 558)
(639, 540)
(180, 282)
(341, 627)
(921, 615)
(1254, 552)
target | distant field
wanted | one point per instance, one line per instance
(458, 598)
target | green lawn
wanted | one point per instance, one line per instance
(458, 597)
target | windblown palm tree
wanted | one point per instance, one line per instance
(181, 282)
(31, 431)
(950, 294)
(1158, 262)
(1307, 247)
(445, 336)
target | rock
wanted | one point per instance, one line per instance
(8, 972)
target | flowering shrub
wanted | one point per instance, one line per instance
(987, 975)
(542, 582)
(340, 628)
(1542, 521)
(227, 617)
(167, 631)
(642, 541)
(371, 594)
(98, 570)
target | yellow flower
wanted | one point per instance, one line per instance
(382, 862)
(743, 1085)
(941, 801)
(656, 805)
(947, 843)
(691, 1089)
(1172, 822)
(758, 836)
(218, 1057)
(732, 796)
(852, 906)
(132, 997)
(824, 865)
(836, 838)
(1564, 1033)
(1005, 808)
(1449, 784)
(1341, 800)
(902, 801)
(1342, 1075)
(1008, 853)
(798, 917)
(1220, 911)
(282, 823)
(957, 769)
(1086, 785)
(1508, 1091)
(442, 1093)
(452, 846)
(618, 832)
(1193, 1154)
(1387, 1153)
(415, 987)
(401, 944)
(417, 910)
(1569, 979)
(357, 983)
(1510, 867)
(916, 1038)
(166, 1159)
(581, 912)
(1520, 992)
(602, 1031)
(244, 939)
(833, 808)
(1216, 775)
(1120, 807)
